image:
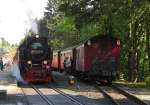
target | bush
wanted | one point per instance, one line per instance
(148, 82)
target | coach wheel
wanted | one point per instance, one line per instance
(18, 83)
(109, 81)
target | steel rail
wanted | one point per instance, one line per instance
(129, 95)
(26, 100)
(107, 95)
(49, 102)
(66, 95)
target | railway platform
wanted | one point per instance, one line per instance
(10, 94)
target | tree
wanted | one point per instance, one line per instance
(4, 42)
(92, 11)
(42, 27)
(69, 22)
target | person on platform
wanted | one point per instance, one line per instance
(67, 66)
(65, 63)
(1, 64)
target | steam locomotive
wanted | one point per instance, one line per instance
(34, 59)
(97, 58)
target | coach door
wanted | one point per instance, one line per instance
(80, 58)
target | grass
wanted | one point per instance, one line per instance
(148, 82)
(138, 84)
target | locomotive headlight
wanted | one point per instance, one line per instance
(37, 36)
(118, 42)
(29, 62)
(89, 42)
(45, 62)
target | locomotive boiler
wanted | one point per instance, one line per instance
(97, 58)
(34, 59)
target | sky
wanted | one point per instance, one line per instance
(17, 16)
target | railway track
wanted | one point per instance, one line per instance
(26, 102)
(127, 94)
(67, 96)
(50, 96)
(118, 96)
(44, 97)
(33, 96)
(54, 96)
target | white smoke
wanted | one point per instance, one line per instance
(32, 22)
(34, 10)
(16, 73)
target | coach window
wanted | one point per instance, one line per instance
(54, 56)
(81, 52)
(68, 54)
(78, 56)
(95, 45)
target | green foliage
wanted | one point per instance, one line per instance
(4, 43)
(69, 22)
(6, 49)
(42, 27)
(11, 51)
(148, 82)
(64, 32)
(90, 30)
(125, 83)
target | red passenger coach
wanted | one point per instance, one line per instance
(56, 60)
(59, 57)
(99, 57)
(68, 52)
(96, 58)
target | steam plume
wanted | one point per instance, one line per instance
(32, 22)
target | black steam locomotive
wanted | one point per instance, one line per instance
(34, 59)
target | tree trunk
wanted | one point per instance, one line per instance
(135, 45)
(130, 69)
(108, 25)
(148, 43)
(132, 57)
(138, 65)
